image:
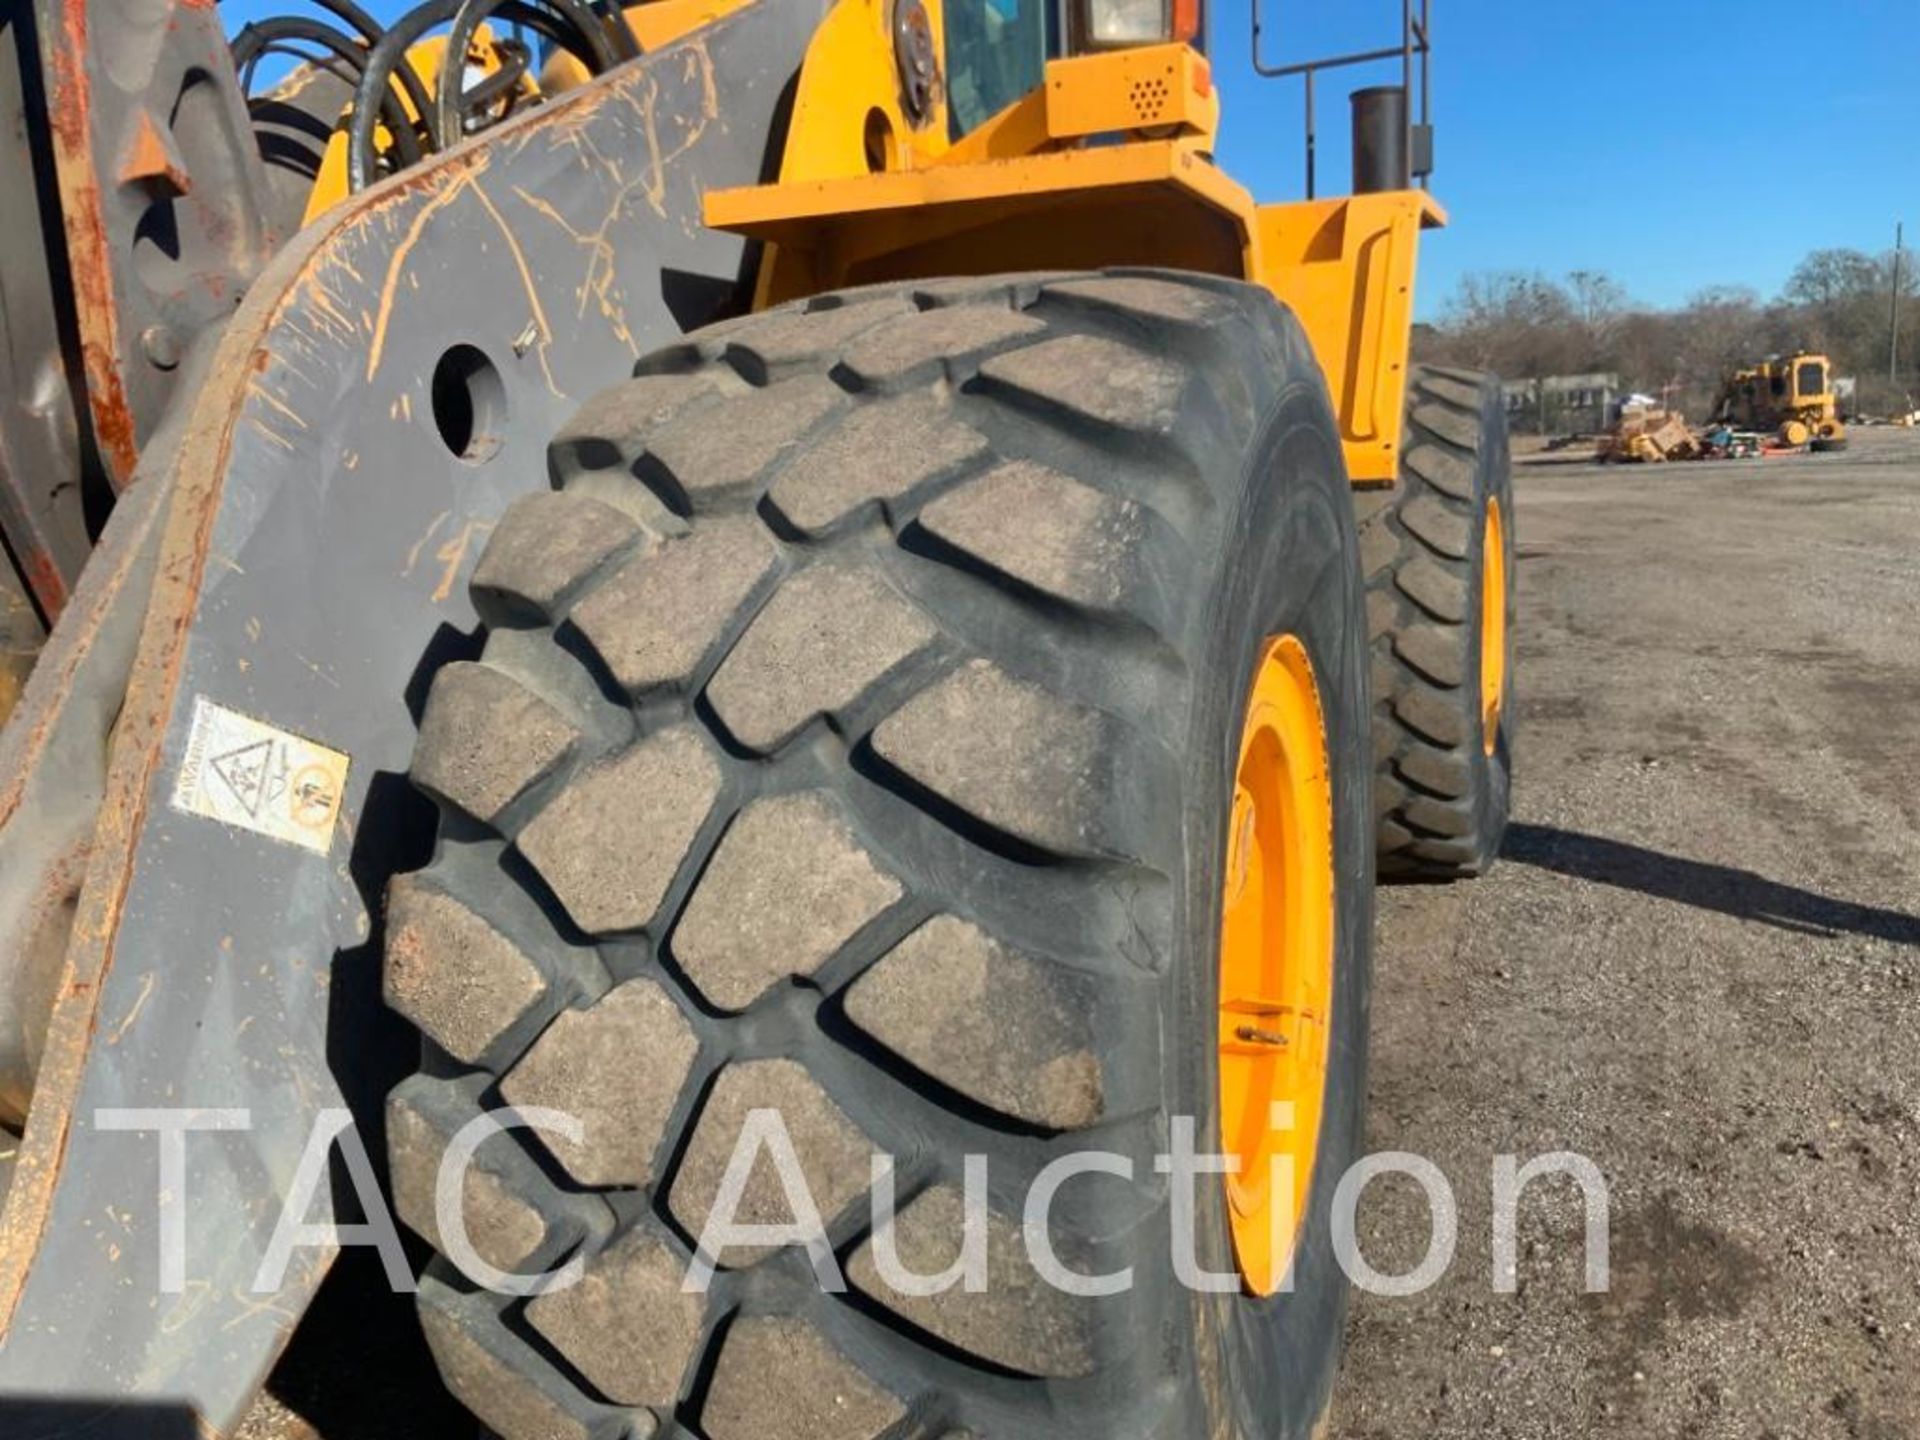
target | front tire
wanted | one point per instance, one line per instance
(855, 737)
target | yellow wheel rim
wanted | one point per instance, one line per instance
(1493, 625)
(1276, 963)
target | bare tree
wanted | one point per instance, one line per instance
(1512, 322)
(1827, 277)
(1718, 330)
(1599, 304)
(1842, 299)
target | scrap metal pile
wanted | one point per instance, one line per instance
(1648, 434)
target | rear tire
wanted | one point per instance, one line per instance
(1443, 782)
(870, 758)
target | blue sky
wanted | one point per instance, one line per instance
(1674, 145)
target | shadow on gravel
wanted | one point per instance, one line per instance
(1739, 893)
(35, 1418)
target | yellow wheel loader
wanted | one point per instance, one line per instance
(702, 671)
(1792, 399)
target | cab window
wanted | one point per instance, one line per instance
(996, 52)
(1812, 379)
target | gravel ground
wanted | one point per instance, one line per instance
(1695, 965)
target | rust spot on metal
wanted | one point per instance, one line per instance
(149, 158)
(55, 675)
(70, 111)
(38, 942)
(119, 1031)
(44, 576)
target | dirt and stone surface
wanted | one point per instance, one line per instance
(1698, 964)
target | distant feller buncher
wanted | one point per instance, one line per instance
(1792, 398)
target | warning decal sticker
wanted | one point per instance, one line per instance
(241, 771)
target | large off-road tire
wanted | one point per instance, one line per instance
(1442, 634)
(855, 738)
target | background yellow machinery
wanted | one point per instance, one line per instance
(1792, 396)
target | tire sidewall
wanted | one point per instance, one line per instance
(1265, 1367)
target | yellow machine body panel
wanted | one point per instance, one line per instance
(1346, 267)
(1154, 88)
(1025, 190)
(848, 113)
(1067, 207)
